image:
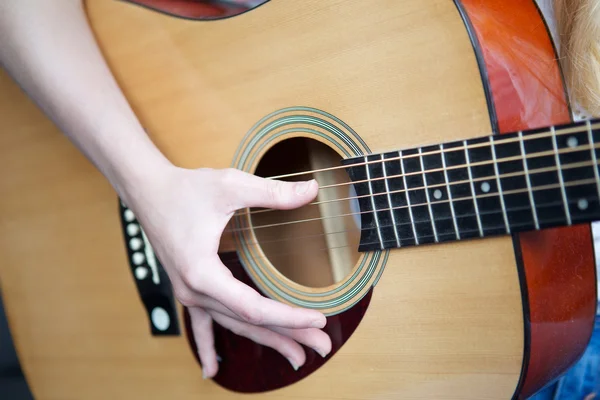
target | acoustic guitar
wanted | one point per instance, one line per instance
(449, 246)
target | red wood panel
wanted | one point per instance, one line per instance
(556, 265)
(561, 285)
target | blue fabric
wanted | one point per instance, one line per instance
(583, 379)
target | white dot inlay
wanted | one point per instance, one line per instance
(582, 204)
(135, 243)
(572, 141)
(160, 319)
(141, 273)
(485, 187)
(437, 194)
(138, 258)
(133, 229)
(129, 216)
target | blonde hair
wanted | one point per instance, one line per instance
(578, 25)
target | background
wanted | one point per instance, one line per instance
(12, 383)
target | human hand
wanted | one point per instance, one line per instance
(184, 218)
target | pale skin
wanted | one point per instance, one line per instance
(49, 49)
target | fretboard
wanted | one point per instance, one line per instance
(496, 185)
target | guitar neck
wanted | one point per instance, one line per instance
(480, 187)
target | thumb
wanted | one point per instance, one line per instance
(247, 190)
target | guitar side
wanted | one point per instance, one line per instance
(556, 266)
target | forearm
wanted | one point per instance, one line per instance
(49, 49)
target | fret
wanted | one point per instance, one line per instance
(528, 181)
(449, 193)
(593, 155)
(369, 231)
(485, 186)
(461, 194)
(596, 138)
(413, 196)
(545, 178)
(499, 184)
(399, 198)
(379, 198)
(560, 177)
(435, 235)
(478, 187)
(389, 199)
(470, 172)
(370, 185)
(579, 174)
(438, 193)
(512, 180)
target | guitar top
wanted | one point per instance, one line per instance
(449, 247)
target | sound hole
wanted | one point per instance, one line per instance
(320, 252)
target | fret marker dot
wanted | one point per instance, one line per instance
(582, 204)
(437, 193)
(572, 141)
(485, 187)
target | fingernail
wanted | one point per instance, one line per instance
(302, 187)
(293, 364)
(321, 353)
(203, 374)
(317, 324)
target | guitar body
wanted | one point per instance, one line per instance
(494, 318)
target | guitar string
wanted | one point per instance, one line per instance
(398, 224)
(502, 139)
(465, 231)
(528, 157)
(465, 181)
(449, 185)
(473, 197)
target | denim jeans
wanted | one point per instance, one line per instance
(582, 380)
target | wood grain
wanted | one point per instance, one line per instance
(443, 322)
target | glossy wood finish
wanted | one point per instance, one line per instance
(557, 266)
(241, 354)
(523, 76)
(561, 291)
(436, 326)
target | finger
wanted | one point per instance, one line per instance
(247, 190)
(282, 344)
(255, 309)
(210, 303)
(316, 339)
(311, 337)
(201, 323)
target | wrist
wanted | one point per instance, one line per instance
(140, 177)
